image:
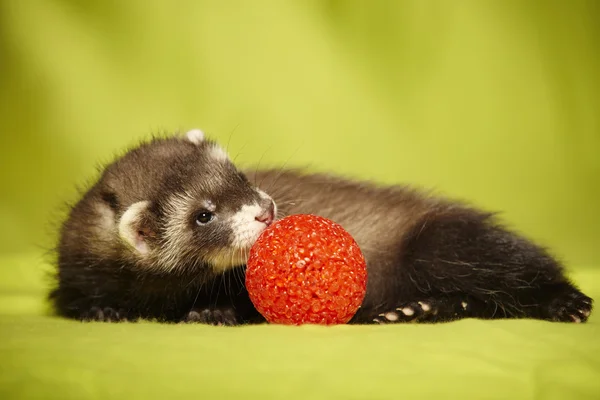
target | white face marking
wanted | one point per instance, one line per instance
(246, 229)
(195, 136)
(218, 153)
(128, 227)
(245, 226)
(424, 306)
(464, 305)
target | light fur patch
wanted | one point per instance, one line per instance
(128, 229)
(105, 228)
(106, 221)
(265, 196)
(228, 258)
(178, 209)
(209, 205)
(408, 311)
(195, 136)
(391, 316)
(262, 194)
(217, 153)
(246, 229)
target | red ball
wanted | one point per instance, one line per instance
(306, 269)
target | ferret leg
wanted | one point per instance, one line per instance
(432, 309)
(72, 303)
(212, 316)
(460, 263)
(104, 314)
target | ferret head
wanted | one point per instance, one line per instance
(180, 205)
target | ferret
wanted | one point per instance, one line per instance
(165, 231)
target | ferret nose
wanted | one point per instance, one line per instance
(268, 215)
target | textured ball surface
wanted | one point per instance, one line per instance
(306, 269)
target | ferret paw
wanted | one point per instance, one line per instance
(408, 312)
(212, 316)
(571, 306)
(106, 314)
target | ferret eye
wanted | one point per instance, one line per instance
(204, 217)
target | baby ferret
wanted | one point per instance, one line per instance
(165, 232)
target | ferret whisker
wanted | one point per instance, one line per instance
(230, 136)
(240, 269)
(258, 165)
(196, 298)
(236, 275)
(210, 296)
(242, 272)
(225, 278)
(221, 284)
(282, 169)
(239, 152)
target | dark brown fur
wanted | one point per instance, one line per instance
(441, 259)
(435, 251)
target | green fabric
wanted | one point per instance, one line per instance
(46, 357)
(493, 102)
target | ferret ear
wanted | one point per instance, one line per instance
(134, 228)
(195, 136)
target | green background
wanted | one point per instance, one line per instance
(495, 102)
